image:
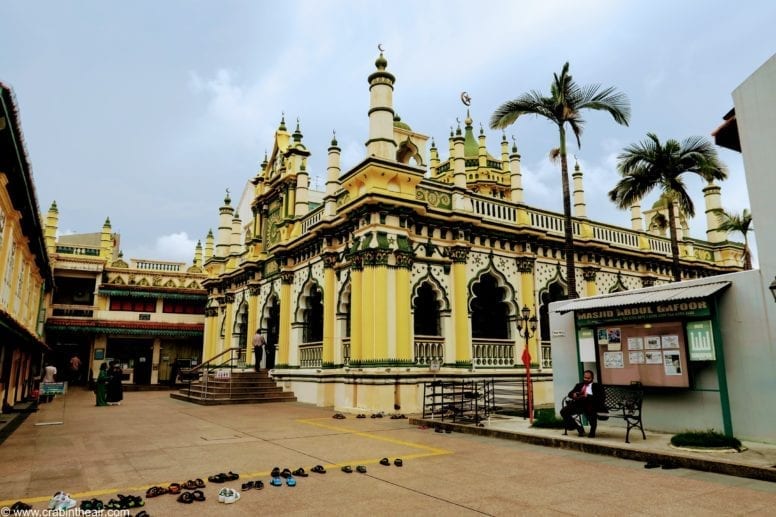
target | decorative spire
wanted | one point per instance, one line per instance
(297, 132)
(333, 138)
(514, 144)
(53, 207)
(381, 63)
(107, 222)
(433, 143)
(210, 233)
(265, 162)
(482, 130)
(282, 126)
(227, 199)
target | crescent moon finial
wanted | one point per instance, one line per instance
(466, 99)
(380, 47)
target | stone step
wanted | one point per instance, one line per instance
(225, 393)
(280, 397)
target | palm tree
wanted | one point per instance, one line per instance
(563, 106)
(741, 223)
(649, 164)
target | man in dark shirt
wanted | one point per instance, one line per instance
(587, 397)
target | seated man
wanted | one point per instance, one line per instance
(586, 398)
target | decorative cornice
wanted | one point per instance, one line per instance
(229, 297)
(589, 273)
(254, 289)
(526, 264)
(458, 254)
(287, 277)
(330, 259)
(125, 327)
(404, 259)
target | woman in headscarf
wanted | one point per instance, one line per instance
(102, 385)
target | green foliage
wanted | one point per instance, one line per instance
(547, 420)
(708, 438)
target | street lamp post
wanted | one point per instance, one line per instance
(526, 328)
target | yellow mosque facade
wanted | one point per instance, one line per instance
(410, 260)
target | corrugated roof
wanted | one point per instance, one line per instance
(667, 293)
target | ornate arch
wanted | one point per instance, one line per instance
(436, 286)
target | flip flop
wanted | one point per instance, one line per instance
(398, 462)
(259, 485)
(174, 488)
(198, 495)
(200, 483)
(361, 415)
(286, 473)
(301, 473)
(361, 469)
(247, 486)
(276, 481)
(232, 476)
(318, 469)
(347, 469)
(338, 416)
(290, 481)
(275, 472)
(386, 462)
(186, 498)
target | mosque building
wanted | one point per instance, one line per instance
(407, 262)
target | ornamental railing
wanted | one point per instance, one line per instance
(312, 219)
(311, 354)
(428, 349)
(494, 353)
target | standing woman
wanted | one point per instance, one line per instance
(102, 385)
(115, 390)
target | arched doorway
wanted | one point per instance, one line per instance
(489, 310)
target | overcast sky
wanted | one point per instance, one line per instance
(146, 111)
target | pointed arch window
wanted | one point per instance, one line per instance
(426, 311)
(313, 316)
(489, 310)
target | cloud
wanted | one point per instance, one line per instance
(177, 247)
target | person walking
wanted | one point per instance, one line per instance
(259, 342)
(101, 389)
(49, 376)
(75, 369)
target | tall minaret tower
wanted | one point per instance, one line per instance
(52, 222)
(713, 199)
(106, 241)
(332, 178)
(224, 227)
(580, 209)
(381, 143)
(515, 175)
(209, 245)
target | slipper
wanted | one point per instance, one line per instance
(386, 462)
(218, 478)
(275, 472)
(374, 415)
(198, 495)
(232, 476)
(224, 493)
(338, 416)
(361, 469)
(398, 462)
(361, 416)
(186, 498)
(97, 505)
(300, 472)
(286, 473)
(154, 491)
(651, 465)
(247, 486)
(276, 481)
(190, 485)
(232, 498)
(174, 488)
(19, 507)
(290, 481)
(259, 485)
(200, 483)
(347, 469)
(318, 469)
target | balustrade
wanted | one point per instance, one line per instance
(493, 353)
(428, 349)
(311, 354)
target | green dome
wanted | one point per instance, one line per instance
(398, 123)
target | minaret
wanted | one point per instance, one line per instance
(580, 210)
(235, 244)
(52, 222)
(434, 162)
(515, 175)
(483, 150)
(332, 177)
(637, 222)
(381, 143)
(713, 198)
(459, 160)
(224, 227)
(198, 255)
(209, 245)
(106, 242)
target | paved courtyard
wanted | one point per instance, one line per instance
(151, 439)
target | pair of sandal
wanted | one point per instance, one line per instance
(193, 484)
(190, 497)
(276, 481)
(339, 416)
(156, 491)
(318, 469)
(228, 496)
(385, 461)
(125, 502)
(377, 415)
(223, 478)
(257, 485)
(91, 505)
(349, 470)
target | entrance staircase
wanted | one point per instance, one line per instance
(242, 387)
(224, 380)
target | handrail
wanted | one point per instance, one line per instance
(203, 363)
(234, 353)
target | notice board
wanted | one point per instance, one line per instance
(654, 354)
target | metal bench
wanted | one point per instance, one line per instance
(621, 402)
